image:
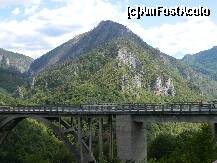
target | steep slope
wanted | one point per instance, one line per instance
(122, 70)
(204, 65)
(105, 32)
(14, 60)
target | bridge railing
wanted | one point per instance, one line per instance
(114, 109)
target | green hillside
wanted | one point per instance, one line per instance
(10, 79)
(120, 71)
(204, 62)
(204, 65)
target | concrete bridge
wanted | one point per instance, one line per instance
(125, 122)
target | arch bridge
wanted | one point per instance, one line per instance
(125, 122)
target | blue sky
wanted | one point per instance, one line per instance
(33, 27)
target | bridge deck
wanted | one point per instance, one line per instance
(114, 109)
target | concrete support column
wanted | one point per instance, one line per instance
(80, 139)
(111, 147)
(214, 128)
(90, 134)
(1, 132)
(131, 139)
(59, 122)
(100, 140)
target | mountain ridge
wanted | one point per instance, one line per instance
(204, 64)
(106, 31)
(15, 60)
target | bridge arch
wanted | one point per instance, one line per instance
(9, 122)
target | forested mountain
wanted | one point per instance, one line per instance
(110, 64)
(204, 62)
(204, 65)
(81, 44)
(12, 69)
(10, 79)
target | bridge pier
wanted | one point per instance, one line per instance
(214, 129)
(90, 126)
(80, 139)
(111, 146)
(100, 140)
(131, 139)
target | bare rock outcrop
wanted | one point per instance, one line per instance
(164, 87)
(4, 61)
(126, 57)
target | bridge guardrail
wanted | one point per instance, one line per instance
(112, 109)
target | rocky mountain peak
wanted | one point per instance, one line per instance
(113, 27)
(105, 32)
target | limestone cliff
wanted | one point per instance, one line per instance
(164, 86)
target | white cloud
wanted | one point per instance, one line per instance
(45, 29)
(188, 37)
(16, 11)
(30, 9)
(15, 2)
(48, 28)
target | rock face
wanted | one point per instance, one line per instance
(131, 82)
(131, 79)
(32, 83)
(19, 93)
(4, 61)
(14, 60)
(1, 57)
(164, 87)
(127, 58)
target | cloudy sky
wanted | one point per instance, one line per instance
(33, 27)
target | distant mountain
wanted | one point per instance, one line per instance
(204, 65)
(204, 62)
(105, 32)
(110, 64)
(14, 60)
(12, 67)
